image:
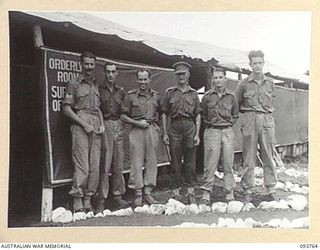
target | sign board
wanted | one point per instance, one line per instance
(58, 69)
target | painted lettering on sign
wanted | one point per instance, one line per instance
(65, 65)
(62, 72)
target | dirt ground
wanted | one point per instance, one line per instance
(163, 193)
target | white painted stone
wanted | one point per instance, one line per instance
(248, 207)
(204, 208)
(57, 213)
(79, 216)
(234, 207)
(219, 207)
(157, 209)
(191, 209)
(107, 212)
(297, 202)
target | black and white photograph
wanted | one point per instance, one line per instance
(159, 119)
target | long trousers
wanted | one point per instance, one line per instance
(181, 134)
(86, 160)
(215, 142)
(258, 128)
(143, 148)
(113, 159)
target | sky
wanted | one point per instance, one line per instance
(284, 37)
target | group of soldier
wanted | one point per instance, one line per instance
(99, 112)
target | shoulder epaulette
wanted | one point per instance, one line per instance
(230, 92)
(208, 92)
(132, 91)
(169, 89)
(193, 90)
(119, 87)
(154, 92)
(269, 79)
(243, 80)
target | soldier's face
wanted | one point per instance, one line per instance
(88, 66)
(183, 77)
(219, 79)
(143, 80)
(111, 73)
(256, 64)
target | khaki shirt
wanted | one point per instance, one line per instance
(179, 104)
(219, 111)
(82, 95)
(253, 96)
(112, 102)
(140, 106)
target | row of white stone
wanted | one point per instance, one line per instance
(251, 223)
(258, 172)
(295, 202)
(287, 186)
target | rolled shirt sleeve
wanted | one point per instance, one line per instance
(69, 95)
(204, 108)
(164, 103)
(197, 108)
(126, 106)
(235, 108)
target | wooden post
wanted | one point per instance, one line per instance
(293, 152)
(37, 36)
(46, 206)
(47, 192)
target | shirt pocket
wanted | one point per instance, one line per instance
(174, 100)
(152, 111)
(137, 108)
(189, 104)
(174, 104)
(212, 110)
(106, 106)
(82, 98)
(267, 98)
(225, 110)
(249, 97)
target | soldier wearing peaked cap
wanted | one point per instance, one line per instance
(181, 124)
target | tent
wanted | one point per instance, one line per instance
(35, 87)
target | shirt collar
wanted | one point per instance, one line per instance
(90, 79)
(115, 86)
(148, 93)
(226, 91)
(187, 90)
(250, 79)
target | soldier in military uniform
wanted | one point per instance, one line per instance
(112, 97)
(220, 111)
(255, 95)
(141, 110)
(181, 124)
(82, 106)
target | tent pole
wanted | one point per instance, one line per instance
(37, 36)
(46, 205)
(47, 192)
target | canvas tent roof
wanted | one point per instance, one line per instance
(230, 58)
